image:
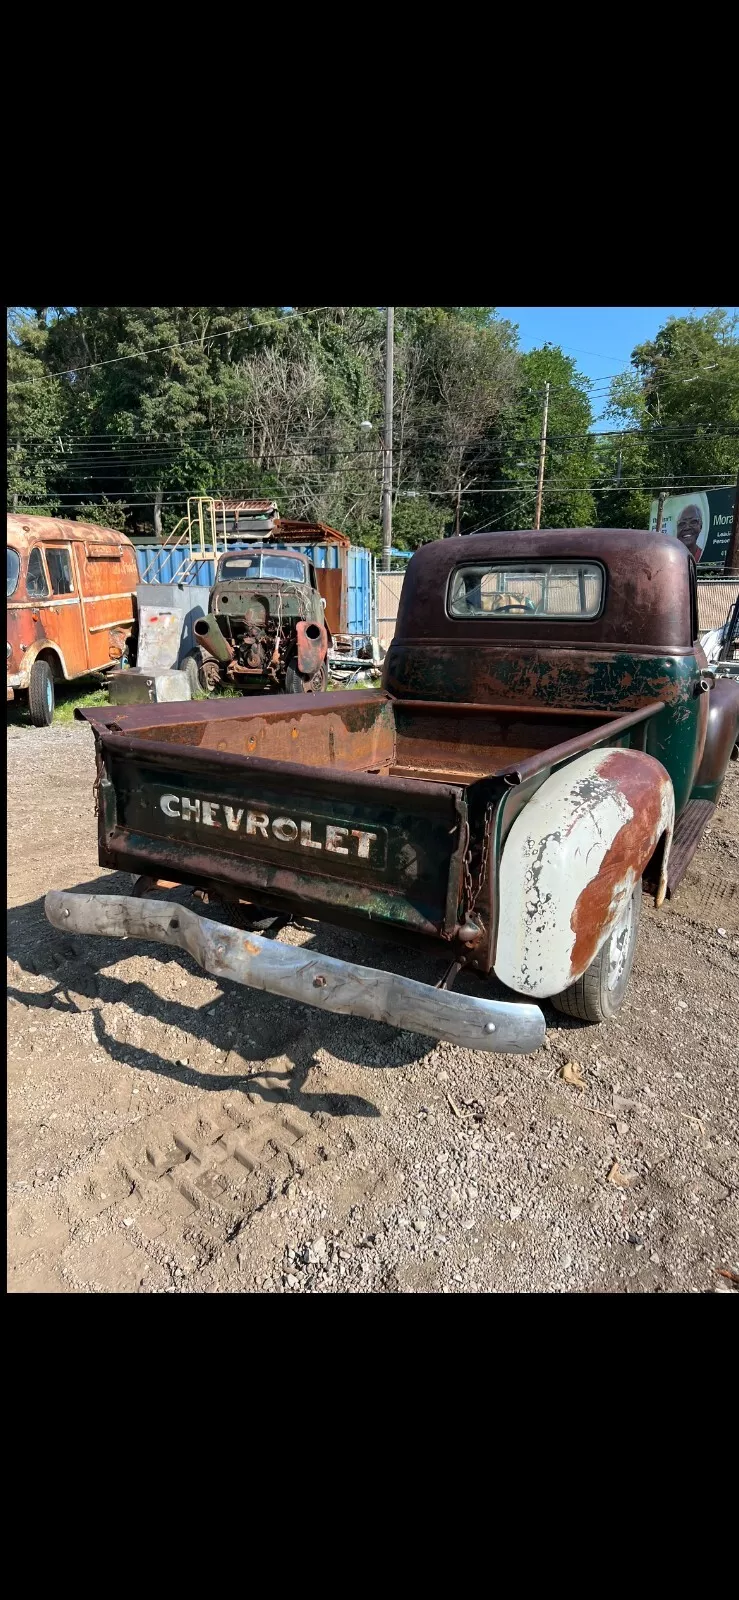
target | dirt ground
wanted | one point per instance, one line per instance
(170, 1134)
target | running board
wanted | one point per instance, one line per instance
(689, 830)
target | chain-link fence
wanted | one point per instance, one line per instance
(716, 597)
(387, 600)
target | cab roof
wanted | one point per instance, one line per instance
(263, 550)
(23, 531)
(646, 601)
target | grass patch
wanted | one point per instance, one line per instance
(67, 705)
(81, 692)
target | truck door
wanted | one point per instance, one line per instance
(329, 585)
(108, 584)
(66, 623)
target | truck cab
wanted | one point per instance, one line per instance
(569, 621)
(265, 627)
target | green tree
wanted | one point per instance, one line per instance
(621, 469)
(570, 454)
(457, 374)
(417, 519)
(107, 514)
(473, 377)
(682, 395)
(156, 403)
(36, 414)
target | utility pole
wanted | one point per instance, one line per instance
(458, 513)
(387, 453)
(660, 508)
(542, 454)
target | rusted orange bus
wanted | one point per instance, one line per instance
(71, 589)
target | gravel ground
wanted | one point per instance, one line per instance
(170, 1134)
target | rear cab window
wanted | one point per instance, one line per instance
(37, 585)
(527, 589)
(14, 567)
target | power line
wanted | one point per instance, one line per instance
(564, 444)
(142, 498)
(128, 449)
(179, 344)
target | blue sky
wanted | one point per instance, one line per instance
(601, 338)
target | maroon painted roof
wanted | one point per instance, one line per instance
(647, 598)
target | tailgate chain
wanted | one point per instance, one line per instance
(472, 891)
(99, 775)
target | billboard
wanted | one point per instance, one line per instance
(702, 519)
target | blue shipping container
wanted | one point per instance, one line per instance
(159, 565)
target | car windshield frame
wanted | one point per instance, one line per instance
(13, 578)
(256, 568)
(572, 574)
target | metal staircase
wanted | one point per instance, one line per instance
(198, 533)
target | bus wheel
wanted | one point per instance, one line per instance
(41, 695)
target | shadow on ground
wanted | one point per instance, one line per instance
(243, 1024)
(246, 1025)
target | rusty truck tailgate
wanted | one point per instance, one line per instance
(384, 849)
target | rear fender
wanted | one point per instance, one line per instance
(50, 653)
(312, 646)
(721, 739)
(571, 861)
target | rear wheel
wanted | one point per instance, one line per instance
(296, 683)
(193, 670)
(41, 695)
(598, 995)
(240, 914)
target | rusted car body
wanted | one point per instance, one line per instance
(265, 630)
(548, 739)
(70, 602)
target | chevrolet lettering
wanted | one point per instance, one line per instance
(301, 832)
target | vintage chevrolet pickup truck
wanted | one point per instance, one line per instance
(549, 738)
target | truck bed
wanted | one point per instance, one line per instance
(353, 807)
(361, 732)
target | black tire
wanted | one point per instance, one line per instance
(599, 994)
(193, 670)
(295, 683)
(250, 918)
(41, 695)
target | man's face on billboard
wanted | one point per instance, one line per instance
(689, 528)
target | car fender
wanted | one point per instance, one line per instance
(312, 646)
(721, 739)
(570, 863)
(40, 647)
